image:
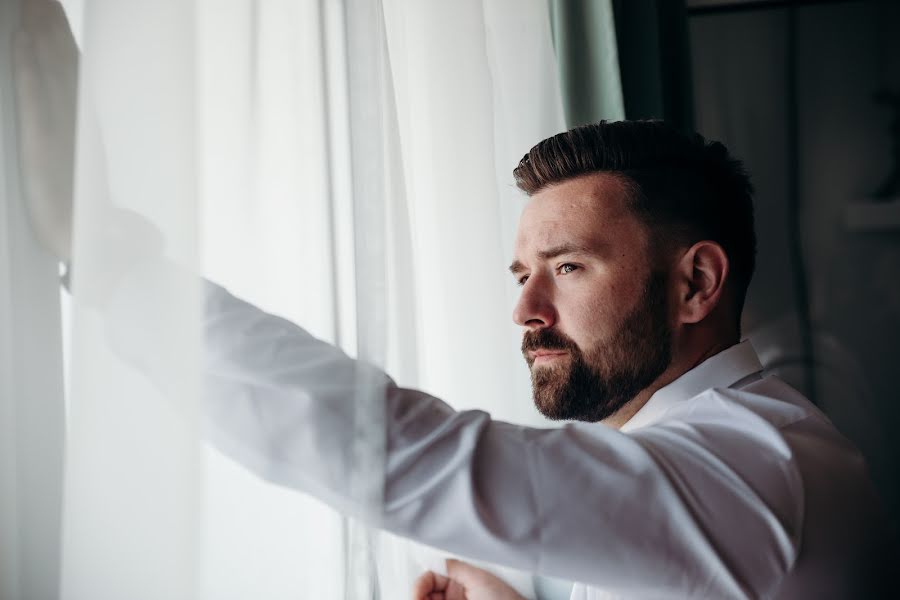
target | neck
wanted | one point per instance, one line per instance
(682, 362)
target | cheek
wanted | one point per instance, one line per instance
(597, 310)
(589, 316)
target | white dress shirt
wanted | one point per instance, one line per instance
(726, 484)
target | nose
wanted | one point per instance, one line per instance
(535, 309)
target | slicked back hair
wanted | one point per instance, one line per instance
(683, 188)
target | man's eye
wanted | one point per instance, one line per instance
(567, 268)
(521, 280)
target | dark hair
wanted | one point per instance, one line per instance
(684, 188)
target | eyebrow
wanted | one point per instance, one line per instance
(517, 266)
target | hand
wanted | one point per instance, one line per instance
(463, 582)
(45, 68)
(45, 63)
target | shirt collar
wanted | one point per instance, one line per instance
(724, 369)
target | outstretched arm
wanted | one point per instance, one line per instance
(655, 510)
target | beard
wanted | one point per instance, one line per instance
(591, 385)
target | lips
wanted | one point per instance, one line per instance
(546, 346)
(546, 354)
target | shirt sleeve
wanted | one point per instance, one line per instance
(698, 507)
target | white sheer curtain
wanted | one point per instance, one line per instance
(346, 165)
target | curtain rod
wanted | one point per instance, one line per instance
(754, 5)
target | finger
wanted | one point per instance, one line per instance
(428, 585)
(455, 565)
(423, 586)
(470, 576)
(455, 591)
(460, 570)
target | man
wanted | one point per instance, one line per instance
(634, 255)
(688, 472)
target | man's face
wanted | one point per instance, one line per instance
(593, 309)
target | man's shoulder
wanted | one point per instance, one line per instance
(768, 415)
(767, 400)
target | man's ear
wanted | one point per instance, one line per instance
(700, 277)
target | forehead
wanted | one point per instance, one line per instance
(590, 211)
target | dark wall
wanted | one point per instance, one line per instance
(843, 53)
